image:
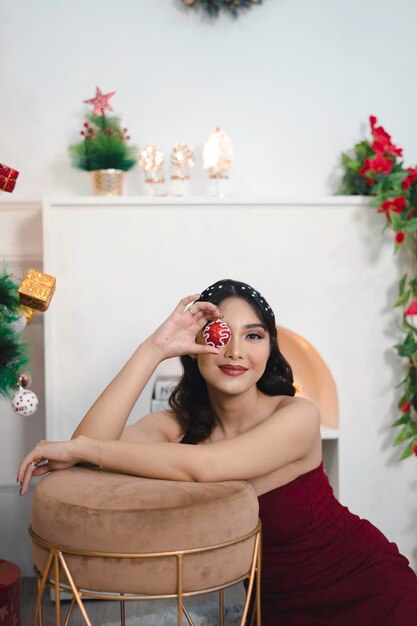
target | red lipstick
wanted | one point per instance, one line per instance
(233, 370)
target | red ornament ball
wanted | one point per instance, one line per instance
(217, 334)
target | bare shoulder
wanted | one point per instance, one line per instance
(157, 426)
(298, 411)
(299, 401)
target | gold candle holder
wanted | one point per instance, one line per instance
(151, 161)
(218, 157)
(182, 160)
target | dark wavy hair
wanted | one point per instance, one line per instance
(190, 400)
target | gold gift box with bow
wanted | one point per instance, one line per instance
(36, 290)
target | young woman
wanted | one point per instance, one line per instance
(322, 565)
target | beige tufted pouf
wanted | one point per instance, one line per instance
(83, 510)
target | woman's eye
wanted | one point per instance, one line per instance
(255, 335)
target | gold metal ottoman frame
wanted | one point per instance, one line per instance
(56, 557)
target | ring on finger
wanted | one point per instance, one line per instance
(188, 308)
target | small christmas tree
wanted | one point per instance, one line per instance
(105, 142)
(104, 146)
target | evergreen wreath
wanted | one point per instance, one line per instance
(213, 7)
(374, 169)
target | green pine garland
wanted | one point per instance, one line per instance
(13, 353)
(104, 145)
(213, 7)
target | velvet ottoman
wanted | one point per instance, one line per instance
(86, 510)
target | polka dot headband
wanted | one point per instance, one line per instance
(246, 290)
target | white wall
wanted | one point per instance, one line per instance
(292, 82)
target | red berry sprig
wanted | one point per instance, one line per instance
(88, 133)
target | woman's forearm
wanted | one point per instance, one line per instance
(108, 415)
(163, 460)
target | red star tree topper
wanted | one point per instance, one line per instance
(101, 101)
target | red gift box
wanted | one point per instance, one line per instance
(8, 178)
(9, 593)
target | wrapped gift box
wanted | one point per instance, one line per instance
(9, 593)
(36, 290)
(8, 178)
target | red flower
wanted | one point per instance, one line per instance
(382, 140)
(399, 237)
(365, 168)
(394, 204)
(380, 165)
(364, 171)
(411, 178)
(415, 449)
(405, 407)
(412, 309)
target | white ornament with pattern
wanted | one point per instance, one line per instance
(25, 402)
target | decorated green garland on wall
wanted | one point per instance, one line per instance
(213, 7)
(374, 168)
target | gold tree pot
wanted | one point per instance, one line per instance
(108, 182)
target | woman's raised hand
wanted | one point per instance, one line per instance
(177, 335)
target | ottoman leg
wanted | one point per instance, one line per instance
(74, 590)
(258, 582)
(67, 619)
(179, 591)
(57, 591)
(188, 616)
(122, 611)
(40, 606)
(253, 571)
(37, 615)
(221, 606)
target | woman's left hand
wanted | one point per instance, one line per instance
(45, 457)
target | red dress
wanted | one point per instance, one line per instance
(324, 566)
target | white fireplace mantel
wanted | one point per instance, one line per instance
(202, 201)
(122, 265)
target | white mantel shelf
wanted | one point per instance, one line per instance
(102, 201)
(12, 204)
